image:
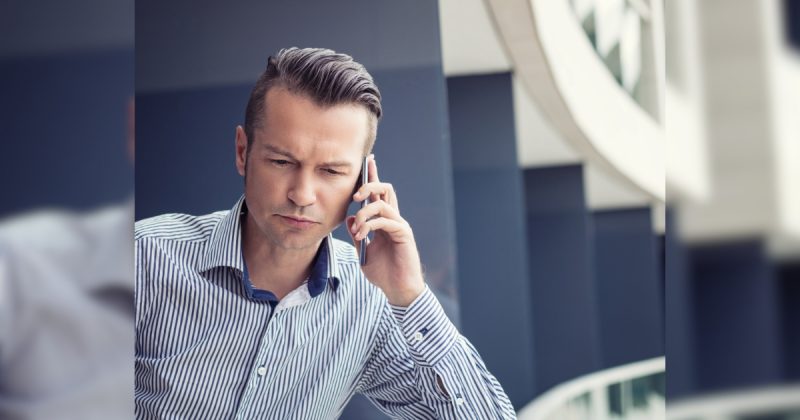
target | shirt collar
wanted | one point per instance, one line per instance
(225, 250)
(225, 244)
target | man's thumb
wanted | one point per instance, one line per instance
(349, 222)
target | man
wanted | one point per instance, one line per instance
(259, 312)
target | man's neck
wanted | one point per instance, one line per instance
(270, 267)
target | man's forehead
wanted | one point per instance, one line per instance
(328, 154)
(295, 124)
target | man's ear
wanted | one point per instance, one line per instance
(358, 183)
(241, 149)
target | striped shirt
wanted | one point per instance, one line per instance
(209, 345)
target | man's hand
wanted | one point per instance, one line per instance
(392, 258)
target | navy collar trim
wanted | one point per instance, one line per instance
(225, 250)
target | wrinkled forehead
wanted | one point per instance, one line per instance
(297, 124)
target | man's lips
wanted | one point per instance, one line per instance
(297, 221)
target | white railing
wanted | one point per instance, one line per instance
(768, 402)
(607, 394)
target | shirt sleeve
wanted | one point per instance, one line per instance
(419, 352)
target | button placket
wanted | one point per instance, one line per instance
(273, 330)
(262, 361)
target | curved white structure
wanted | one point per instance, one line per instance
(586, 397)
(688, 178)
(555, 60)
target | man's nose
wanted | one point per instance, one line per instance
(302, 191)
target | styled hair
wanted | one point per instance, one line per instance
(326, 77)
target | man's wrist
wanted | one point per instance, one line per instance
(428, 332)
(406, 296)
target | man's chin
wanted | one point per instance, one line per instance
(297, 241)
(294, 246)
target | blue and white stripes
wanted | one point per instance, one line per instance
(204, 349)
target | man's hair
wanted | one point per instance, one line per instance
(324, 76)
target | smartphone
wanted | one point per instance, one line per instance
(364, 178)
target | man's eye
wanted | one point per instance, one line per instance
(330, 171)
(280, 162)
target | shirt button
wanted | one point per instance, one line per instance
(459, 401)
(261, 371)
(418, 336)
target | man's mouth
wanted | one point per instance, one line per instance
(298, 222)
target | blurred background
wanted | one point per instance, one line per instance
(629, 167)
(733, 243)
(66, 212)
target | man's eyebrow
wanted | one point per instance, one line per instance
(336, 164)
(279, 151)
(273, 149)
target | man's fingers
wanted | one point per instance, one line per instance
(392, 227)
(350, 220)
(374, 209)
(372, 178)
(374, 189)
(377, 191)
(372, 170)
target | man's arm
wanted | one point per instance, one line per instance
(423, 368)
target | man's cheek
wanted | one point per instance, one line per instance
(345, 205)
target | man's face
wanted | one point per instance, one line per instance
(302, 165)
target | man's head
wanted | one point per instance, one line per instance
(322, 75)
(311, 119)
